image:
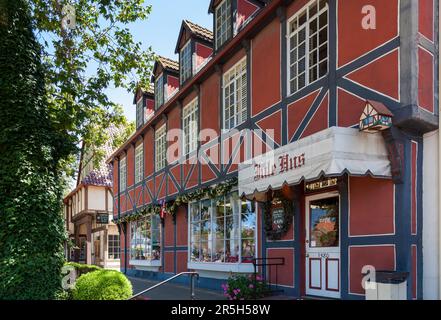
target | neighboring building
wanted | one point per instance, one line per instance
(336, 195)
(88, 212)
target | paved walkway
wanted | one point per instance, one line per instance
(171, 291)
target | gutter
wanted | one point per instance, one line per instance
(207, 70)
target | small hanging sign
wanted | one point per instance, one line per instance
(319, 185)
(102, 218)
(278, 217)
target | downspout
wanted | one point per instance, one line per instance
(439, 156)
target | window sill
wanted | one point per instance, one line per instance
(146, 265)
(222, 267)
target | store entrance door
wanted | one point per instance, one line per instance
(322, 245)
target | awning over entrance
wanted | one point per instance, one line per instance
(331, 152)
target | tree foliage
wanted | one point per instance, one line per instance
(53, 83)
(31, 227)
(88, 48)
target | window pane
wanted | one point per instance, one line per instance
(248, 225)
(323, 52)
(232, 227)
(324, 223)
(205, 209)
(302, 81)
(206, 252)
(248, 252)
(323, 19)
(194, 211)
(302, 19)
(196, 251)
(323, 68)
(218, 250)
(232, 250)
(205, 230)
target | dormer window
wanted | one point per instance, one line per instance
(223, 23)
(139, 112)
(166, 79)
(195, 47)
(185, 62)
(159, 92)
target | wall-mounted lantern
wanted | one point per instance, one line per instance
(375, 117)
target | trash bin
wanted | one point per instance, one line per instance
(388, 285)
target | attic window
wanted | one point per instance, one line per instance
(223, 23)
(185, 63)
(159, 92)
(139, 113)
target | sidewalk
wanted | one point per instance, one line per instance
(171, 291)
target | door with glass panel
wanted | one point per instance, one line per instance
(323, 245)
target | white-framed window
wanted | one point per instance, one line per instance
(161, 148)
(223, 23)
(185, 63)
(308, 45)
(145, 238)
(123, 175)
(235, 95)
(159, 92)
(222, 230)
(114, 251)
(140, 112)
(190, 125)
(139, 163)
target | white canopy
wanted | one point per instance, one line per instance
(331, 152)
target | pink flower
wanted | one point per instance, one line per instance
(251, 286)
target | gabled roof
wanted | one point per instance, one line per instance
(103, 174)
(380, 108)
(196, 31)
(214, 3)
(167, 64)
(146, 91)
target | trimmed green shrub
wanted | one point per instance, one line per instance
(102, 285)
(82, 268)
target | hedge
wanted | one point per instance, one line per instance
(82, 268)
(32, 231)
(102, 285)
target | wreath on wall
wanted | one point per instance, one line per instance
(288, 217)
(171, 207)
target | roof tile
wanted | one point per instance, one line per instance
(199, 31)
(168, 63)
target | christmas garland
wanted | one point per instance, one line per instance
(288, 217)
(171, 207)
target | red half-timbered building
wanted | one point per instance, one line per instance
(295, 130)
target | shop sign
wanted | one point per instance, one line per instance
(278, 217)
(102, 218)
(319, 185)
(283, 164)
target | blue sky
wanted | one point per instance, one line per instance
(160, 31)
